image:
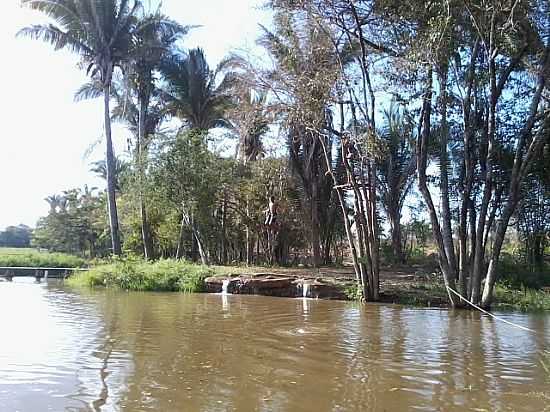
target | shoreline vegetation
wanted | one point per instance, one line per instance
(364, 134)
(418, 284)
(27, 257)
(420, 289)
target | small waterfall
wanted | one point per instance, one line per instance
(305, 290)
(225, 286)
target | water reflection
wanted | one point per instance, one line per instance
(109, 351)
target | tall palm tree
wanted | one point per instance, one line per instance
(103, 33)
(305, 70)
(135, 101)
(191, 93)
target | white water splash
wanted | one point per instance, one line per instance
(305, 290)
(225, 305)
(225, 286)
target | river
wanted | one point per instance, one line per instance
(74, 350)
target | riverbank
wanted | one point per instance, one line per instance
(412, 285)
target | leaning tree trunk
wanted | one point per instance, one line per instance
(110, 166)
(189, 221)
(180, 251)
(145, 229)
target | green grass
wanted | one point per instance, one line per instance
(135, 274)
(524, 299)
(32, 258)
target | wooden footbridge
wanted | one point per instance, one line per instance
(39, 273)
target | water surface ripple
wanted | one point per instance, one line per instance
(68, 350)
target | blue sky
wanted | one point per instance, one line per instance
(47, 141)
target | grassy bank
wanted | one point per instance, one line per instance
(524, 299)
(422, 293)
(400, 288)
(129, 274)
(32, 258)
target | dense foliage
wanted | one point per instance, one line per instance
(16, 236)
(438, 111)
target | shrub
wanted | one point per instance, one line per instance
(516, 275)
(353, 292)
(135, 274)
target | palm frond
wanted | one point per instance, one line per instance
(90, 90)
(53, 35)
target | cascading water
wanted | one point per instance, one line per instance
(305, 290)
(225, 286)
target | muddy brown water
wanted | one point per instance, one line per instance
(68, 350)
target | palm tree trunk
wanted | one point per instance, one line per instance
(111, 178)
(145, 230)
(394, 216)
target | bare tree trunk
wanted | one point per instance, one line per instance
(187, 220)
(523, 161)
(315, 235)
(446, 218)
(180, 251)
(422, 159)
(202, 252)
(111, 169)
(467, 228)
(347, 225)
(223, 251)
(249, 249)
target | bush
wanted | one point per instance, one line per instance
(524, 299)
(40, 259)
(517, 275)
(353, 292)
(134, 274)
